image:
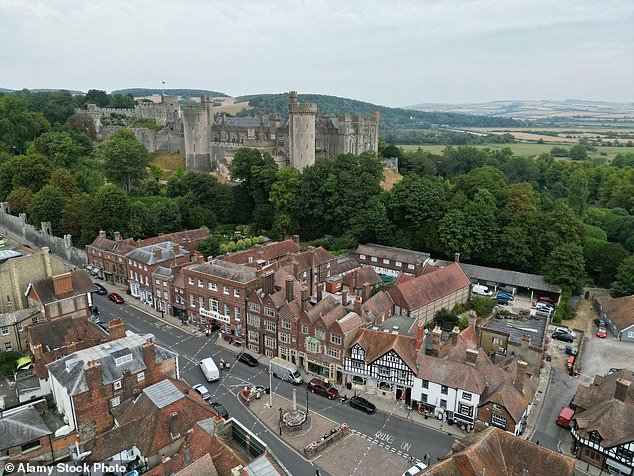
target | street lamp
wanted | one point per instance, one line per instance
(280, 423)
(306, 401)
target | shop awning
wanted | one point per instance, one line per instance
(23, 362)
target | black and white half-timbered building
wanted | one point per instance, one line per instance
(381, 363)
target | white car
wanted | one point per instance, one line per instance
(202, 391)
(417, 468)
(566, 330)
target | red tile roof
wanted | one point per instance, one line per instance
(359, 276)
(269, 252)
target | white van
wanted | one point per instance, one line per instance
(285, 370)
(481, 290)
(210, 369)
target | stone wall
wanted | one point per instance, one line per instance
(28, 234)
(165, 140)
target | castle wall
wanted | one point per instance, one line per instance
(154, 141)
(301, 133)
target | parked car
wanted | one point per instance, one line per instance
(599, 322)
(417, 468)
(570, 350)
(221, 410)
(565, 329)
(362, 404)
(481, 290)
(602, 333)
(114, 297)
(508, 289)
(502, 301)
(563, 336)
(546, 299)
(202, 391)
(99, 289)
(503, 295)
(247, 359)
(544, 306)
(322, 388)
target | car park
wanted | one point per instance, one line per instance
(247, 359)
(362, 404)
(602, 333)
(563, 336)
(114, 297)
(99, 289)
(502, 301)
(565, 329)
(322, 388)
(508, 289)
(416, 469)
(202, 391)
(221, 410)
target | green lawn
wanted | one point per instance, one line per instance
(525, 149)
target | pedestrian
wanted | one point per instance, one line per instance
(537, 442)
(317, 473)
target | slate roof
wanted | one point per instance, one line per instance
(366, 274)
(10, 318)
(188, 239)
(378, 343)
(45, 289)
(323, 308)
(313, 257)
(392, 253)
(147, 256)
(602, 388)
(428, 288)
(227, 270)
(21, 426)
(163, 271)
(69, 370)
(620, 311)
(497, 452)
(117, 247)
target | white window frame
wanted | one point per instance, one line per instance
(386, 261)
(115, 402)
(236, 293)
(212, 286)
(140, 377)
(361, 256)
(5, 330)
(116, 384)
(191, 281)
(225, 290)
(200, 283)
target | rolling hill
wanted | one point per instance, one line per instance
(185, 93)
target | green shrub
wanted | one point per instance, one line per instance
(481, 305)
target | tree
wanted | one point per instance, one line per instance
(283, 196)
(454, 234)
(7, 171)
(121, 101)
(488, 177)
(97, 97)
(80, 122)
(31, 171)
(257, 170)
(565, 267)
(372, 224)
(559, 151)
(483, 306)
(19, 200)
(18, 125)
(63, 181)
(603, 259)
(578, 191)
(77, 219)
(125, 158)
(167, 217)
(210, 246)
(521, 197)
(60, 147)
(624, 284)
(416, 200)
(48, 205)
(112, 208)
(578, 152)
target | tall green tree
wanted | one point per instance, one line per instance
(210, 246)
(63, 181)
(283, 196)
(372, 224)
(112, 209)
(416, 200)
(18, 125)
(624, 284)
(78, 221)
(125, 159)
(578, 192)
(19, 200)
(31, 171)
(565, 266)
(48, 205)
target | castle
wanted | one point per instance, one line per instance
(209, 141)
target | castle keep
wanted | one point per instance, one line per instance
(209, 142)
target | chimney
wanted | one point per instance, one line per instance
(296, 269)
(296, 239)
(472, 356)
(344, 298)
(420, 337)
(149, 356)
(320, 291)
(47, 260)
(268, 286)
(621, 389)
(37, 352)
(116, 329)
(117, 236)
(127, 385)
(94, 377)
(365, 292)
(102, 234)
(174, 431)
(177, 248)
(158, 253)
(62, 283)
(436, 337)
(456, 257)
(187, 455)
(455, 332)
(351, 285)
(304, 298)
(519, 376)
(289, 288)
(525, 343)
(357, 305)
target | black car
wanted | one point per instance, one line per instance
(99, 289)
(563, 336)
(362, 404)
(247, 359)
(221, 410)
(599, 322)
(502, 301)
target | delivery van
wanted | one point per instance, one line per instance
(285, 370)
(481, 290)
(210, 369)
(565, 416)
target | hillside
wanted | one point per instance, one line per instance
(391, 118)
(185, 93)
(72, 91)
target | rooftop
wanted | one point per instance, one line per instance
(227, 270)
(536, 329)
(45, 288)
(156, 253)
(397, 325)
(21, 425)
(392, 253)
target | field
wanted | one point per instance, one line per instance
(526, 149)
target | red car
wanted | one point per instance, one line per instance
(114, 297)
(602, 332)
(322, 388)
(546, 299)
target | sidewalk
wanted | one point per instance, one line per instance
(389, 406)
(540, 397)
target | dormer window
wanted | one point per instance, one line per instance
(594, 437)
(122, 357)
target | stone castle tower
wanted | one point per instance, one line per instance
(197, 126)
(301, 132)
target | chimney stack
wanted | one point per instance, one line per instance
(116, 329)
(621, 389)
(365, 292)
(519, 376)
(456, 257)
(62, 283)
(357, 304)
(344, 298)
(176, 248)
(296, 269)
(296, 239)
(351, 285)
(102, 234)
(472, 356)
(455, 332)
(320, 291)
(304, 298)
(289, 288)
(47, 260)
(117, 236)
(436, 337)
(174, 430)
(525, 343)
(149, 357)
(37, 352)
(127, 385)
(420, 337)
(93, 375)
(158, 253)
(268, 285)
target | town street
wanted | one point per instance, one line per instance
(388, 430)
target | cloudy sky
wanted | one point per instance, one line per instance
(389, 52)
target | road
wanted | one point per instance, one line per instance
(390, 430)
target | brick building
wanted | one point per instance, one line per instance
(260, 256)
(109, 256)
(63, 295)
(25, 435)
(390, 261)
(187, 239)
(87, 384)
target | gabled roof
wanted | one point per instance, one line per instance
(601, 389)
(45, 288)
(188, 239)
(21, 426)
(313, 257)
(346, 263)
(11, 318)
(360, 276)
(379, 304)
(269, 252)
(323, 308)
(350, 321)
(497, 452)
(619, 310)
(453, 374)
(148, 254)
(116, 247)
(428, 288)
(378, 343)
(227, 270)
